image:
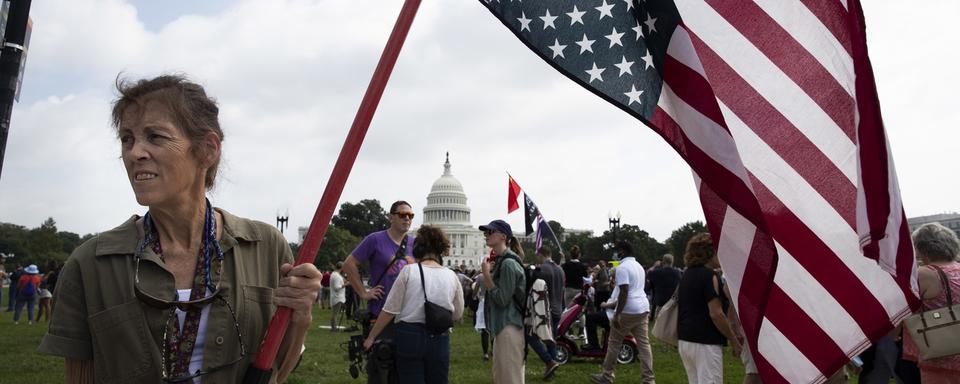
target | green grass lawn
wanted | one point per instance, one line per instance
(324, 361)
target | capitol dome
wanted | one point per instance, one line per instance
(447, 209)
(447, 203)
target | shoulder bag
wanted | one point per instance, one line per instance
(436, 318)
(665, 328)
(936, 332)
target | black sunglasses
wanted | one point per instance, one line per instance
(185, 306)
(159, 303)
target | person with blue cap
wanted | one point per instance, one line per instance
(27, 288)
(505, 283)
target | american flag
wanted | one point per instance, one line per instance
(772, 103)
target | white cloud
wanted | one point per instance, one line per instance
(290, 74)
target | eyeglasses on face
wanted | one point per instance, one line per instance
(404, 215)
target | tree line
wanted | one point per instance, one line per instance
(351, 224)
(37, 245)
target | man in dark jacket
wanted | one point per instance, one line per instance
(663, 282)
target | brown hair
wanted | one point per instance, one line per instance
(431, 240)
(545, 251)
(194, 113)
(575, 252)
(514, 245)
(699, 250)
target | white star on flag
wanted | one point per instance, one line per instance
(548, 20)
(633, 95)
(648, 60)
(585, 44)
(605, 9)
(639, 31)
(576, 16)
(557, 48)
(595, 73)
(614, 38)
(624, 66)
(651, 24)
(524, 22)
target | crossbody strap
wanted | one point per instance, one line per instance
(401, 253)
(944, 282)
(423, 283)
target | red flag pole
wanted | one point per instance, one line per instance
(261, 370)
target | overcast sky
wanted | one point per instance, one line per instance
(289, 75)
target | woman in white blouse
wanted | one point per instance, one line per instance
(420, 355)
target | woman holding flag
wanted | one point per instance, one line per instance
(182, 291)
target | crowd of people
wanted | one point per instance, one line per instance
(623, 300)
(184, 289)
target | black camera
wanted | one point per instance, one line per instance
(355, 354)
(380, 353)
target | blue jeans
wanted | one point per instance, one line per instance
(545, 353)
(419, 356)
(29, 303)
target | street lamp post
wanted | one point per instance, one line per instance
(282, 221)
(614, 222)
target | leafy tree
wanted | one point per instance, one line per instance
(44, 243)
(646, 249)
(337, 245)
(361, 219)
(13, 241)
(37, 245)
(677, 242)
(69, 240)
(557, 228)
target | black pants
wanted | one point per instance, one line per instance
(593, 321)
(380, 371)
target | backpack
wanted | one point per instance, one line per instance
(27, 290)
(530, 295)
(537, 319)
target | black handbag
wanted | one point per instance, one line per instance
(437, 319)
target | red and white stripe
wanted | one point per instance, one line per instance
(772, 104)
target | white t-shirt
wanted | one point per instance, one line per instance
(630, 272)
(196, 359)
(338, 292)
(405, 299)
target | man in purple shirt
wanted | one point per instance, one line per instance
(378, 250)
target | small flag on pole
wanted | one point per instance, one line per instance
(513, 192)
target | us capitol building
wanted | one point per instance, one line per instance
(447, 209)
